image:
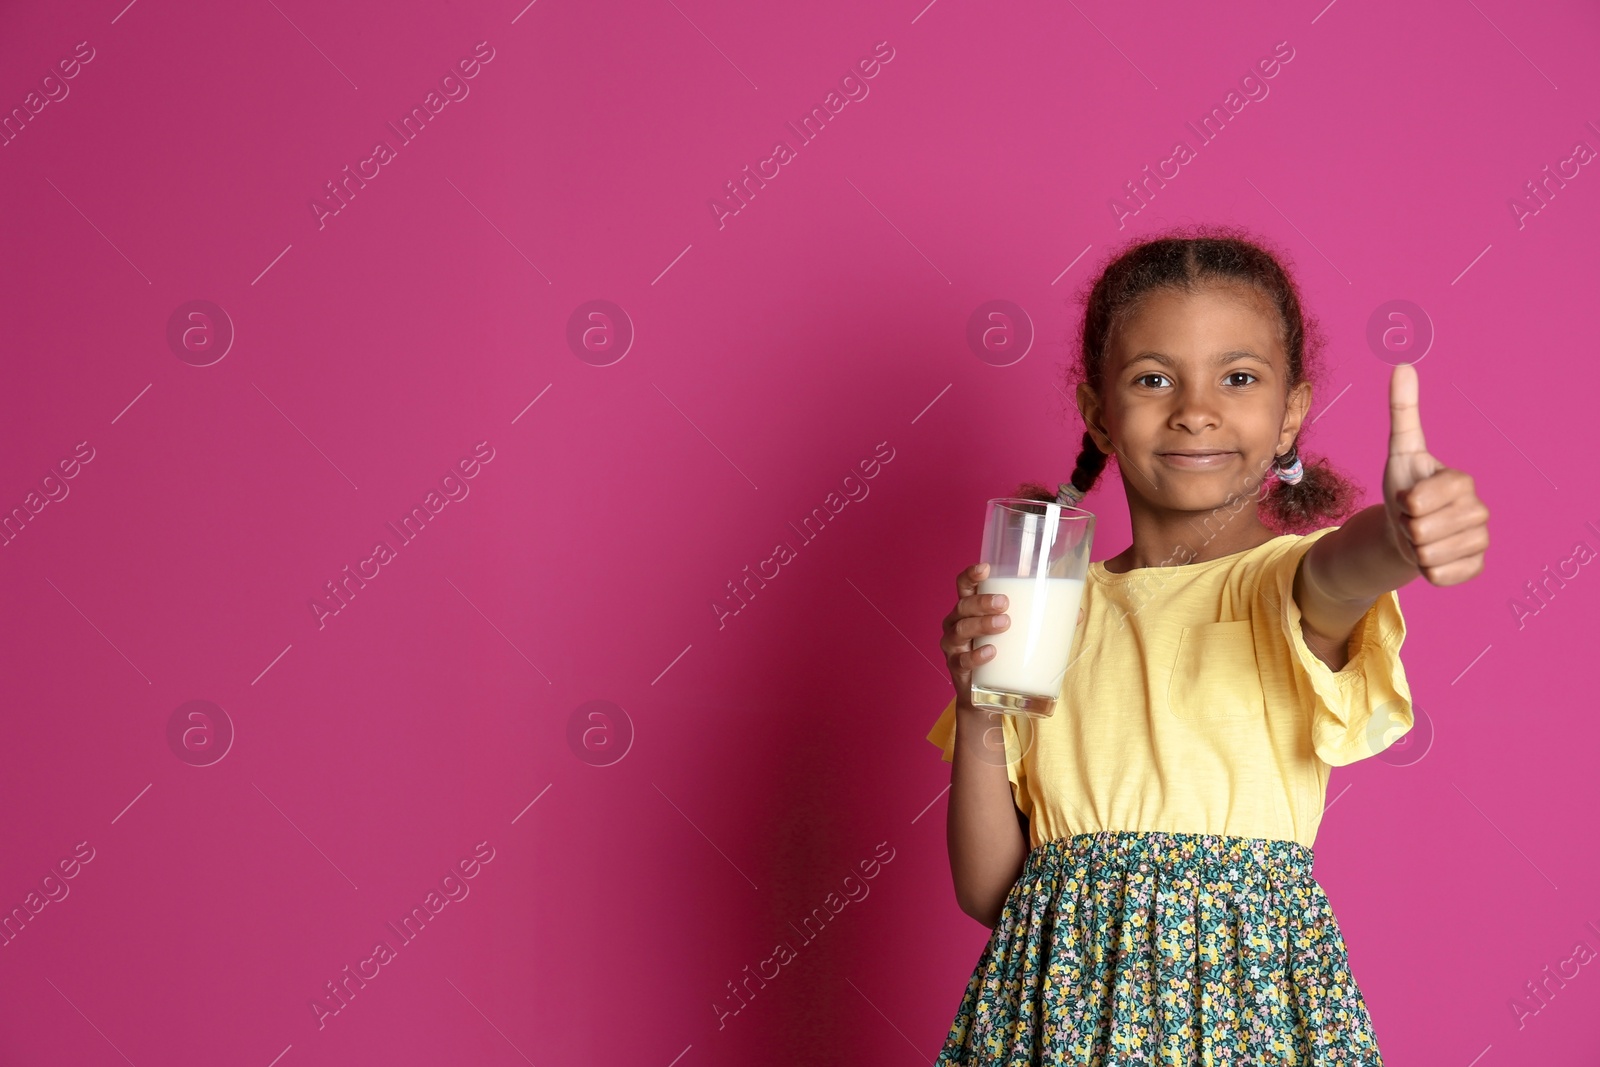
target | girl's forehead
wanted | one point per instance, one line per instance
(1188, 325)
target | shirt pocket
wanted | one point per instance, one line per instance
(1214, 674)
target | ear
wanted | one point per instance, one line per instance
(1089, 408)
(1294, 415)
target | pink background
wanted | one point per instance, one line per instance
(762, 760)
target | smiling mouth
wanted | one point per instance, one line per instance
(1196, 460)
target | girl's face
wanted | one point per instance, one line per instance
(1199, 372)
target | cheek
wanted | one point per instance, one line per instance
(1136, 424)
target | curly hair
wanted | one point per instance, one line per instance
(1190, 260)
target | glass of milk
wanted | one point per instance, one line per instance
(1038, 556)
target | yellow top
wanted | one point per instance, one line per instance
(1193, 705)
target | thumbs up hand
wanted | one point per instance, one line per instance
(1436, 521)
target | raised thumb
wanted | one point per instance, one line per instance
(1405, 418)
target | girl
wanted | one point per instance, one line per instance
(1144, 855)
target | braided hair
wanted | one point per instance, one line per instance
(1190, 260)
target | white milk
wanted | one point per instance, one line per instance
(1031, 654)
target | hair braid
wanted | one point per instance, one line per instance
(1321, 492)
(1091, 461)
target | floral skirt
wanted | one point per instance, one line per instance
(1159, 949)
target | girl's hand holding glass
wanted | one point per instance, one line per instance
(975, 614)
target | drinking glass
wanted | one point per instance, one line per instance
(1038, 556)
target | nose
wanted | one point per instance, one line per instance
(1194, 409)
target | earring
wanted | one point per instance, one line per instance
(1288, 468)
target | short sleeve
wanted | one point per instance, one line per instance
(1365, 707)
(943, 734)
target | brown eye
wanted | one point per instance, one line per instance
(1244, 374)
